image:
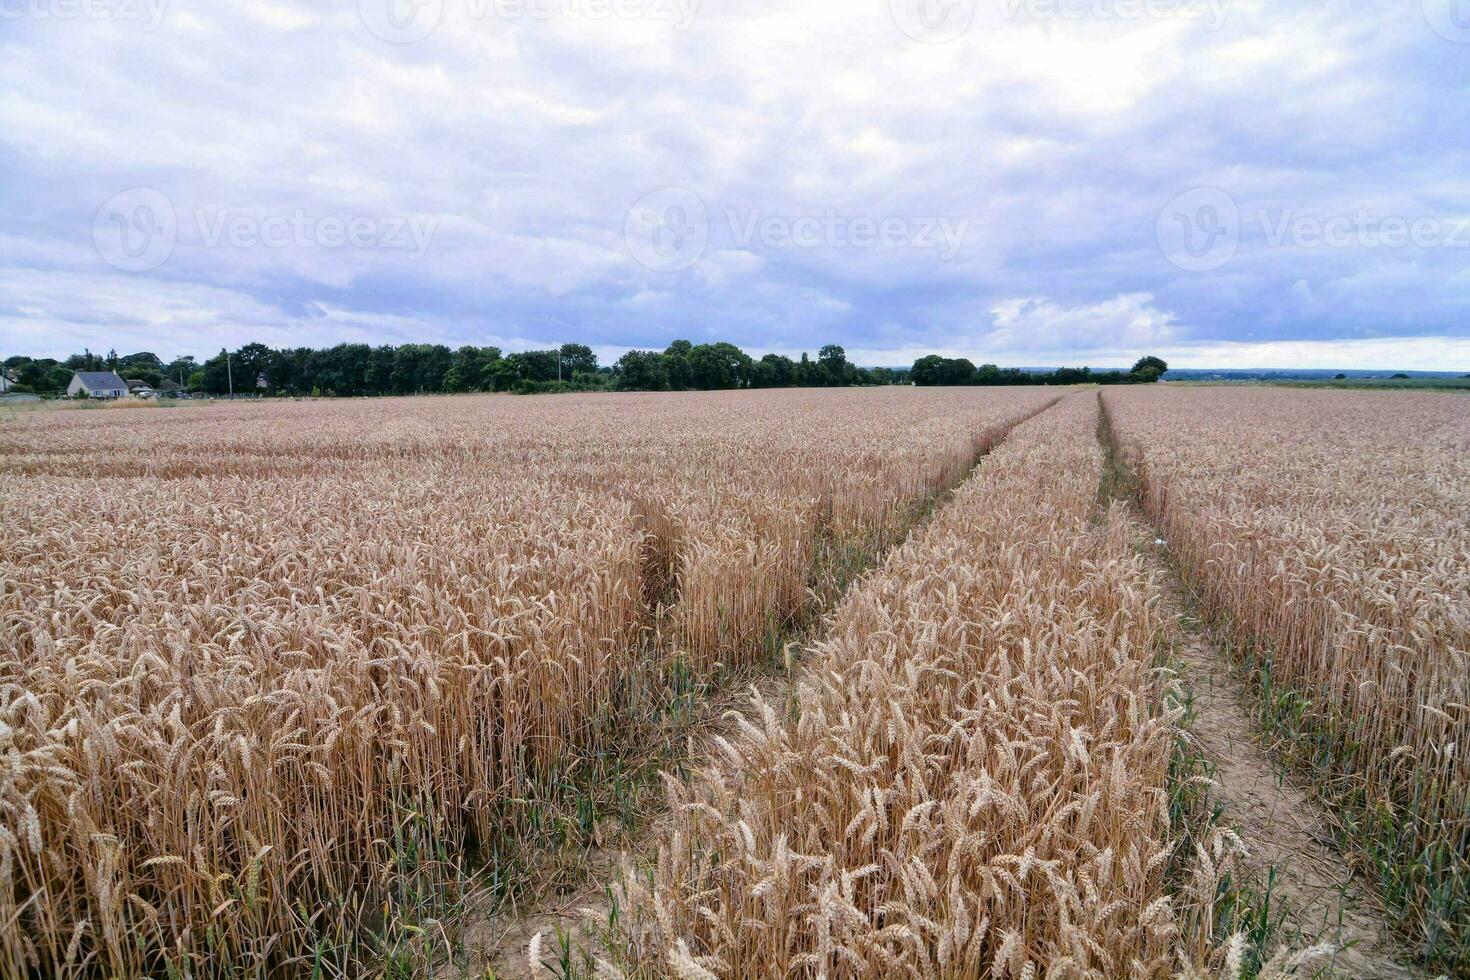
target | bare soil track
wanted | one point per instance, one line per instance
(1283, 827)
(568, 920)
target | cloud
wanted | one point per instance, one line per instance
(1054, 142)
(1035, 323)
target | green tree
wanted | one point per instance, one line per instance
(40, 375)
(179, 369)
(935, 370)
(348, 369)
(490, 368)
(435, 361)
(215, 375)
(528, 365)
(466, 369)
(832, 359)
(808, 375)
(719, 366)
(577, 359)
(1149, 369)
(643, 370)
(251, 365)
(143, 366)
(282, 370)
(85, 361)
(885, 376)
(774, 371)
(681, 372)
(368, 370)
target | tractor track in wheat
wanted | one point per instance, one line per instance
(1285, 830)
(569, 916)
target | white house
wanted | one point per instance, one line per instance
(96, 384)
(6, 380)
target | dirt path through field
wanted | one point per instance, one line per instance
(1281, 825)
(569, 922)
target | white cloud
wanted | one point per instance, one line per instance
(1035, 323)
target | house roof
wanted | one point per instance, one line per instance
(101, 381)
(134, 385)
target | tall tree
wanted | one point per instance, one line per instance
(252, 365)
(832, 359)
(643, 370)
(719, 366)
(681, 371)
(577, 359)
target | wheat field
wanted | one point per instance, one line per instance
(268, 665)
(970, 781)
(1328, 534)
(275, 672)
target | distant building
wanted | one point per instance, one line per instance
(141, 389)
(96, 384)
(7, 380)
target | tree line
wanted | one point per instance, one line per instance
(362, 369)
(936, 370)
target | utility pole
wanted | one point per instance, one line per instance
(229, 372)
(558, 365)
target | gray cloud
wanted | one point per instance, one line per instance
(289, 140)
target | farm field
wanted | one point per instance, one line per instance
(271, 669)
(275, 672)
(1328, 537)
(976, 780)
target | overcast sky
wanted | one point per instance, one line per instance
(1230, 183)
